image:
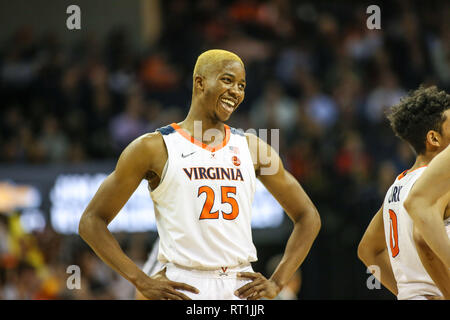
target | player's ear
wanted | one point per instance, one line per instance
(199, 83)
(434, 138)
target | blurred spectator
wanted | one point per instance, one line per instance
(319, 106)
(129, 124)
(386, 94)
(274, 109)
(290, 61)
(439, 46)
(54, 141)
(157, 73)
(19, 65)
(362, 43)
(352, 159)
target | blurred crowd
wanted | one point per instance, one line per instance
(314, 71)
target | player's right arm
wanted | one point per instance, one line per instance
(137, 160)
(426, 204)
(372, 251)
(433, 265)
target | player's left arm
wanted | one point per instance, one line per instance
(300, 209)
(372, 251)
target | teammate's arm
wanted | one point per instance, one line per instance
(433, 265)
(372, 251)
(300, 209)
(426, 204)
(133, 165)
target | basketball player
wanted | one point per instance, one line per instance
(423, 120)
(202, 179)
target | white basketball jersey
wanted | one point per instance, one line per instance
(203, 203)
(410, 274)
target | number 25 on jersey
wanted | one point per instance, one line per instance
(225, 198)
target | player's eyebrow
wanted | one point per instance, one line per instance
(228, 74)
(232, 75)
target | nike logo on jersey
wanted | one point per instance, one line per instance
(187, 155)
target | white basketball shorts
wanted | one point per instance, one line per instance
(218, 284)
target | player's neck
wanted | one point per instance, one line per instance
(197, 124)
(422, 160)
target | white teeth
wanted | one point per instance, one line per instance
(229, 102)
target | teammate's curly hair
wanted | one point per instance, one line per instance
(420, 111)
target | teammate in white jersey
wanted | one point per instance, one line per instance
(202, 185)
(408, 267)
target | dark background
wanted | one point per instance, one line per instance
(71, 98)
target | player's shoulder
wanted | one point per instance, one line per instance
(148, 143)
(147, 151)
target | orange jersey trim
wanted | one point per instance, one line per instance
(187, 136)
(404, 173)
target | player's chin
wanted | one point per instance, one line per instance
(223, 116)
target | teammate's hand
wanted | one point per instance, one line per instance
(159, 287)
(260, 287)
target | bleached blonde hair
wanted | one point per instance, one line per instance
(212, 57)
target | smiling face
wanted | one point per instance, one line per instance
(219, 85)
(224, 89)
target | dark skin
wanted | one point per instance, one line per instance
(145, 158)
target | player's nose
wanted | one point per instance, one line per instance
(235, 92)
